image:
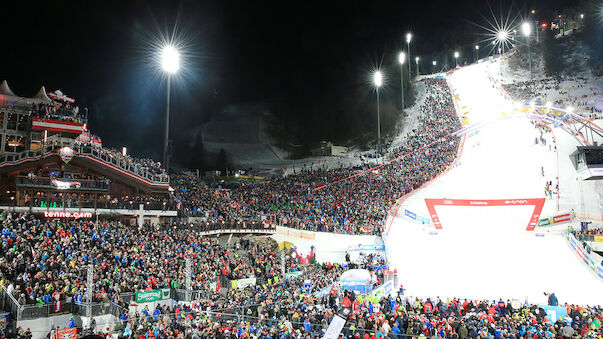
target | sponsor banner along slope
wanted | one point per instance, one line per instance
(538, 203)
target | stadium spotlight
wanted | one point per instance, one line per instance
(378, 79)
(123, 151)
(581, 16)
(170, 59)
(401, 58)
(502, 35)
(408, 37)
(526, 28)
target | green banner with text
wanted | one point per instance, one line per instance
(154, 295)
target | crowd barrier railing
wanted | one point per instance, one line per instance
(9, 303)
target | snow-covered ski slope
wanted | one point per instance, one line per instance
(486, 252)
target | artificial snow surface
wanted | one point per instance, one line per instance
(485, 252)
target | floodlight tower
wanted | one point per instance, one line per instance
(378, 82)
(456, 58)
(526, 28)
(476, 53)
(401, 60)
(408, 39)
(170, 63)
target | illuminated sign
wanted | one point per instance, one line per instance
(75, 215)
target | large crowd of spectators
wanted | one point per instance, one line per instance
(558, 88)
(45, 262)
(285, 309)
(319, 200)
(58, 111)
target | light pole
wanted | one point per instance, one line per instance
(378, 81)
(408, 38)
(476, 53)
(417, 61)
(401, 59)
(456, 58)
(526, 31)
(170, 62)
(433, 63)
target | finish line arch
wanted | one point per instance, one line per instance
(538, 204)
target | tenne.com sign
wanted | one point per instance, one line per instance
(75, 215)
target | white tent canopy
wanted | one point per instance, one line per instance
(41, 96)
(4, 89)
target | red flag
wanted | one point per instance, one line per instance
(57, 306)
(218, 285)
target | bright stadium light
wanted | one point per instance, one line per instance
(526, 28)
(170, 59)
(408, 37)
(401, 58)
(378, 79)
(502, 36)
(477, 47)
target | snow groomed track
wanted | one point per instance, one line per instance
(485, 251)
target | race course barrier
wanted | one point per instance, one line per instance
(584, 255)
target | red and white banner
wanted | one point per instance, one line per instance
(66, 333)
(84, 138)
(58, 126)
(538, 203)
(562, 218)
(58, 95)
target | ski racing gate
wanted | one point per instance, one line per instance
(538, 203)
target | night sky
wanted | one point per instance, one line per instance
(98, 52)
